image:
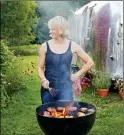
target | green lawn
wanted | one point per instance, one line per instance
(19, 118)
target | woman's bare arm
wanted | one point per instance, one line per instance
(88, 62)
(41, 62)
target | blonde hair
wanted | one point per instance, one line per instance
(60, 23)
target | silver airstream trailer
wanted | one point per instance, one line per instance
(98, 25)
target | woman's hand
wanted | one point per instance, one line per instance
(76, 81)
(45, 84)
(74, 77)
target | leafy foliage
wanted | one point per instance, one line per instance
(101, 80)
(119, 84)
(17, 21)
(13, 77)
(25, 50)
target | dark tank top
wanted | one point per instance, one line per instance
(58, 66)
(58, 73)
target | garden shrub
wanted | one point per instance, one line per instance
(25, 50)
(13, 77)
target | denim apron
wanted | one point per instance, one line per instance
(57, 72)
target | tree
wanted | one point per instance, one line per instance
(17, 21)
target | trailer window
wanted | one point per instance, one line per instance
(90, 17)
(91, 11)
(89, 23)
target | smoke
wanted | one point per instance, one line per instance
(47, 10)
(53, 8)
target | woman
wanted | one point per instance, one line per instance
(54, 68)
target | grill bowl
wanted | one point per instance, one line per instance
(65, 126)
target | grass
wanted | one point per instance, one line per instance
(109, 118)
(19, 118)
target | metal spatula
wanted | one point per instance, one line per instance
(53, 91)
